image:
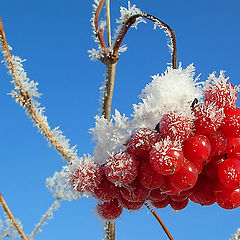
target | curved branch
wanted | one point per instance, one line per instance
(24, 99)
(160, 221)
(131, 20)
(99, 32)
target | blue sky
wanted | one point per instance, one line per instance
(54, 37)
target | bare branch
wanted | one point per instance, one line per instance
(44, 218)
(13, 219)
(99, 32)
(24, 99)
(108, 23)
(160, 221)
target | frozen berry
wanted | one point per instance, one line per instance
(86, 177)
(141, 142)
(161, 204)
(166, 157)
(109, 210)
(175, 126)
(121, 168)
(148, 177)
(178, 205)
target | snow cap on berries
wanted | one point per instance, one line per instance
(174, 90)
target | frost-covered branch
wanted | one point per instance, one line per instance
(12, 218)
(24, 93)
(131, 20)
(47, 215)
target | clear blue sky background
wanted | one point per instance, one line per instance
(54, 35)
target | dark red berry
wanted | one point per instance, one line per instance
(109, 210)
(161, 204)
(148, 177)
(157, 195)
(178, 205)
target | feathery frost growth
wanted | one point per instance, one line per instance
(236, 236)
(7, 229)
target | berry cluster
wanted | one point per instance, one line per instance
(192, 156)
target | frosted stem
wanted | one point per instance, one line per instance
(13, 219)
(109, 86)
(25, 99)
(160, 221)
(44, 218)
(110, 230)
(131, 20)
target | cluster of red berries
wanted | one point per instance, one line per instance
(194, 157)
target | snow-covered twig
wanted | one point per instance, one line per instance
(12, 218)
(46, 216)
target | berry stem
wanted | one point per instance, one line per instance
(160, 221)
(108, 22)
(13, 219)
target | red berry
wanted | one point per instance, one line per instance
(157, 195)
(229, 173)
(225, 198)
(231, 124)
(208, 118)
(148, 177)
(211, 169)
(109, 210)
(106, 190)
(221, 93)
(182, 195)
(197, 148)
(166, 157)
(204, 191)
(161, 204)
(218, 142)
(185, 178)
(178, 205)
(121, 168)
(135, 193)
(175, 126)
(132, 206)
(169, 189)
(86, 177)
(141, 142)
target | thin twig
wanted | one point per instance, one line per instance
(160, 221)
(44, 218)
(13, 219)
(131, 20)
(108, 19)
(99, 32)
(25, 99)
(110, 233)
